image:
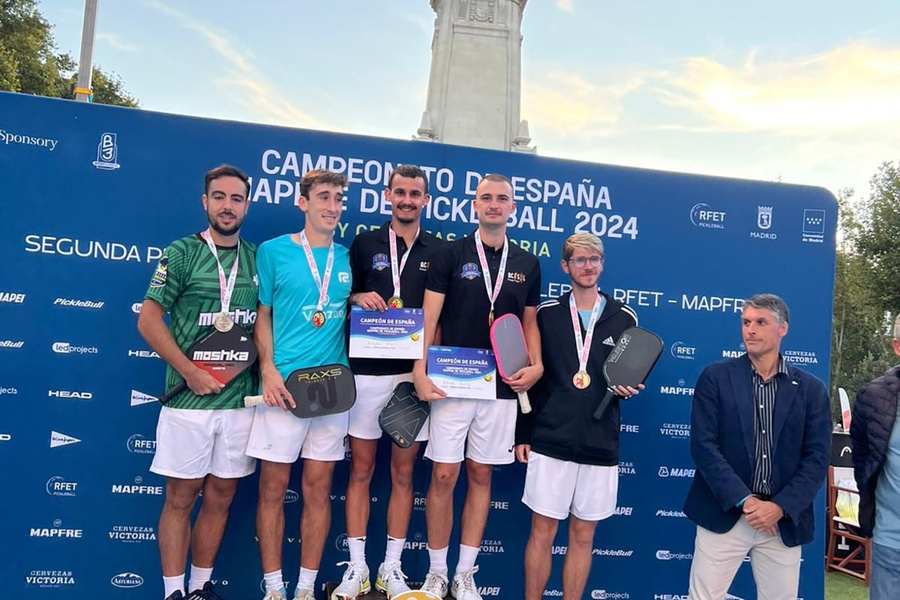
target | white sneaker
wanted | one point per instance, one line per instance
(435, 583)
(391, 580)
(276, 595)
(355, 582)
(306, 594)
(463, 587)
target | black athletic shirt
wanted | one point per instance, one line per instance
(370, 262)
(456, 273)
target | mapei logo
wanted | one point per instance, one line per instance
(702, 215)
(58, 486)
(127, 580)
(138, 398)
(470, 271)
(380, 262)
(58, 439)
(57, 531)
(67, 348)
(489, 590)
(138, 488)
(676, 390)
(624, 511)
(49, 579)
(70, 394)
(665, 471)
(139, 444)
(12, 297)
(107, 153)
(668, 555)
(680, 351)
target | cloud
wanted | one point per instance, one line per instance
(570, 104)
(116, 42)
(857, 85)
(566, 6)
(258, 94)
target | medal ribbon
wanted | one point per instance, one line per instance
(321, 283)
(501, 272)
(225, 288)
(396, 271)
(583, 346)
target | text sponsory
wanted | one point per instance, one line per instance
(21, 139)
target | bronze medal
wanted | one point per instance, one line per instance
(223, 322)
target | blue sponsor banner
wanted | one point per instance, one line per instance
(93, 194)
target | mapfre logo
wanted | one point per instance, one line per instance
(58, 486)
(57, 531)
(131, 534)
(139, 444)
(58, 439)
(677, 390)
(417, 543)
(70, 394)
(138, 488)
(127, 580)
(68, 348)
(49, 579)
(12, 298)
(626, 428)
(138, 398)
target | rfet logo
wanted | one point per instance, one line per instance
(58, 486)
(341, 543)
(139, 444)
(703, 215)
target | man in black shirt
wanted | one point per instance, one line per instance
(471, 281)
(572, 458)
(387, 264)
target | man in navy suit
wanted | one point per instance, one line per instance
(761, 440)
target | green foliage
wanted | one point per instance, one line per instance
(29, 63)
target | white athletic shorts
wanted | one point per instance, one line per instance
(489, 427)
(555, 488)
(194, 443)
(278, 436)
(372, 393)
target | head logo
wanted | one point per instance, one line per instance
(58, 486)
(138, 444)
(70, 394)
(470, 271)
(679, 350)
(138, 398)
(127, 580)
(702, 215)
(107, 153)
(380, 262)
(60, 439)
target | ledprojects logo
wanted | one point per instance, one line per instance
(68, 348)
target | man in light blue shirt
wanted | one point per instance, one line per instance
(304, 283)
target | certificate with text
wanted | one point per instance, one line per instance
(394, 333)
(463, 372)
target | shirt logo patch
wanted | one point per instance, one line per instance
(470, 271)
(159, 276)
(423, 265)
(515, 277)
(609, 341)
(380, 262)
(344, 277)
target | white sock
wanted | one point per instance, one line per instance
(307, 579)
(437, 559)
(357, 547)
(467, 556)
(199, 576)
(274, 581)
(394, 549)
(173, 583)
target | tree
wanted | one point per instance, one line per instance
(29, 63)
(879, 237)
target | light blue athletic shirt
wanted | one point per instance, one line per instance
(586, 314)
(887, 493)
(286, 284)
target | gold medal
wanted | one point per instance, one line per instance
(318, 318)
(395, 302)
(581, 380)
(223, 322)
(491, 317)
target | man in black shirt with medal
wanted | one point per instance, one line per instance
(471, 281)
(389, 266)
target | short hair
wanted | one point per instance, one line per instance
(410, 172)
(320, 176)
(897, 328)
(772, 303)
(226, 171)
(496, 178)
(586, 241)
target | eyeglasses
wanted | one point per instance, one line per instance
(581, 261)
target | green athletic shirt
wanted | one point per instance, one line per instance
(186, 285)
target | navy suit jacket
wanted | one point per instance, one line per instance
(723, 442)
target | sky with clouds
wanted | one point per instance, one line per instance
(801, 91)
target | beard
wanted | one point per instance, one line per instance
(221, 230)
